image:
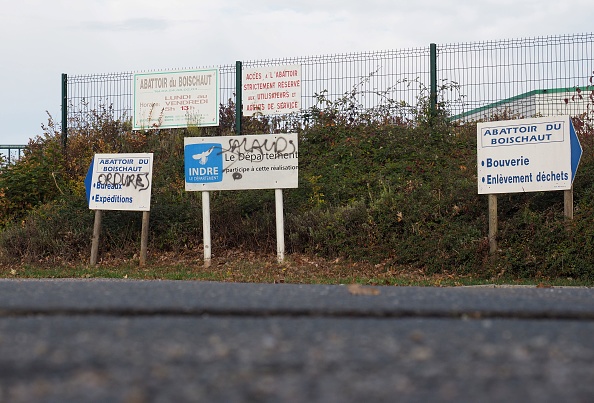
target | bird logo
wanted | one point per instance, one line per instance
(203, 156)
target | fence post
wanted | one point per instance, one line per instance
(238, 98)
(433, 74)
(64, 110)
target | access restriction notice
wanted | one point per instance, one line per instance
(176, 99)
(527, 155)
(271, 90)
(261, 161)
(120, 182)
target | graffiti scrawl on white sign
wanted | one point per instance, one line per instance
(262, 161)
(120, 182)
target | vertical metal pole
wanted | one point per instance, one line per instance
(96, 232)
(64, 110)
(433, 88)
(280, 226)
(568, 203)
(493, 223)
(144, 237)
(238, 97)
(206, 227)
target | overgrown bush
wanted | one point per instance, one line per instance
(373, 186)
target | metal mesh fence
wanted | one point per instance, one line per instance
(10, 153)
(519, 77)
(86, 93)
(376, 76)
(373, 75)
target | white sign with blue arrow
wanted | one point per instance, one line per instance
(527, 155)
(120, 182)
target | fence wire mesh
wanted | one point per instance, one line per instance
(480, 80)
(10, 153)
(522, 77)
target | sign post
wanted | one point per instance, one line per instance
(262, 161)
(526, 155)
(120, 182)
(280, 225)
(206, 239)
(95, 240)
(272, 91)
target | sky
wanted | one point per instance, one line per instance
(41, 39)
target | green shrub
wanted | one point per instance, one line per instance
(372, 187)
(58, 230)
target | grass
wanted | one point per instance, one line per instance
(251, 268)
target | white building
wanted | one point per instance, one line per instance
(537, 103)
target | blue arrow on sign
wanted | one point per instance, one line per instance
(576, 150)
(89, 180)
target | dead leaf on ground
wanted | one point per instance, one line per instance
(358, 289)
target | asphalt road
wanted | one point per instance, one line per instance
(168, 341)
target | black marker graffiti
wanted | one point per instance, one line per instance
(255, 146)
(118, 181)
(256, 150)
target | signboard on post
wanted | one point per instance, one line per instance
(263, 161)
(271, 90)
(176, 99)
(527, 155)
(120, 182)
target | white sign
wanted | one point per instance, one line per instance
(271, 90)
(263, 161)
(176, 99)
(121, 182)
(527, 155)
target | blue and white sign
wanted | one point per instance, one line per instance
(203, 162)
(120, 182)
(527, 155)
(262, 161)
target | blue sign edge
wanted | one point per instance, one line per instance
(88, 182)
(576, 150)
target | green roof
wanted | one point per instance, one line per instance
(525, 95)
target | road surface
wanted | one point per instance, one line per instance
(174, 341)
